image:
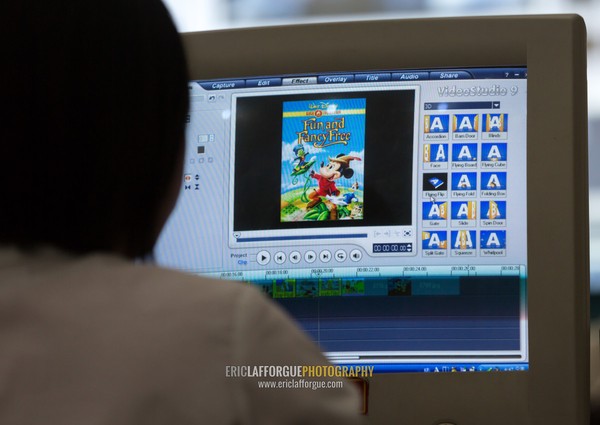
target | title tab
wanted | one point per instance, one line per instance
(373, 78)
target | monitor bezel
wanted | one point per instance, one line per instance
(555, 389)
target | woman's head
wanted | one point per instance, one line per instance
(93, 114)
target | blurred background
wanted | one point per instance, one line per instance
(199, 15)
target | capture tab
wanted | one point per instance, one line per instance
(223, 85)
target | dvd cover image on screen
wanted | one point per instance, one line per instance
(322, 166)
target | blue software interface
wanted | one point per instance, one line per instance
(385, 211)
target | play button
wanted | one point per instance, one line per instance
(263, 257)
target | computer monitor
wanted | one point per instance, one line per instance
(413, 193)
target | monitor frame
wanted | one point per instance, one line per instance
(555, 389)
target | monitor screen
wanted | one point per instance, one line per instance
(413, 193)
(384, 209)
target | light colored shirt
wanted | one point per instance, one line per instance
(100, 340)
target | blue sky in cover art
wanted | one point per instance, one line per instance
(295, 115)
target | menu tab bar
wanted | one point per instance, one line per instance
(365, 77)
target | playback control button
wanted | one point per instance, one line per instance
(280, 257)
(310, 256)
(356, 255)
(325, 256)
(295, 257)
(263, 257)
(340, 255)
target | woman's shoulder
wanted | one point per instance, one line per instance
(99, 284)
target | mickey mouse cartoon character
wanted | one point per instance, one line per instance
(336, 168)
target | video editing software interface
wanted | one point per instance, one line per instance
(384, 210)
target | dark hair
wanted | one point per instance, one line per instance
(94, 99)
